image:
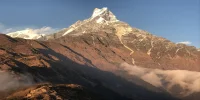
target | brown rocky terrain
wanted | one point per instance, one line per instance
(53, 92)
(57, 63)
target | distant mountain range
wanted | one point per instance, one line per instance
(108, 57)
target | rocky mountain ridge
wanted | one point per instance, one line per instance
(133, 39)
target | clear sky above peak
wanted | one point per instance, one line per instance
(176, 20)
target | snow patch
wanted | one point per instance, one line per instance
(98, 12)
(149, 51)
(104, 14)
(185, 42)
(68, 31)
(100, 20)
(133, 61)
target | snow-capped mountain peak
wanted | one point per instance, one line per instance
(26, 34)
(103, 15)
(99, 18)
(98, 11)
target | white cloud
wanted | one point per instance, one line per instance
(11, 82)
(8, 30)
(185, 42)
(43, 30)
(189, 81)
(4, 29)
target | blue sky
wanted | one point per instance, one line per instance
(176, 20)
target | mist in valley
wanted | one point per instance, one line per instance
(177, 82)
(10, 81)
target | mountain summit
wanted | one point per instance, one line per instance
(103, 15)
(101, 19)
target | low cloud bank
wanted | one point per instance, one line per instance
(9, 81)
(178, 82)
(43, 30)
(185, 42)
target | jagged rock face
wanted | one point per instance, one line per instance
(157, 52)
(162, 51)
(145, 50)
